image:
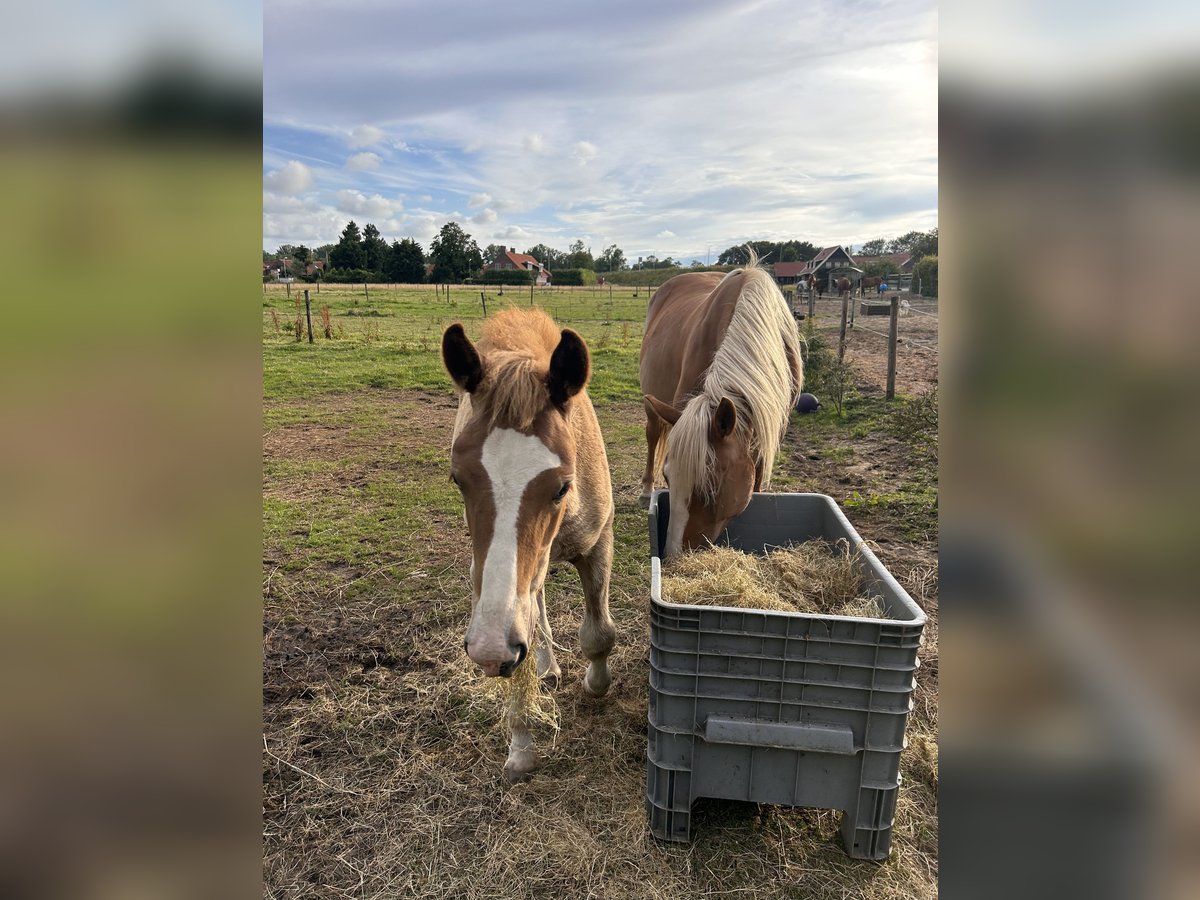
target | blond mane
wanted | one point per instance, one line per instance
(753, 367)
(515, 346)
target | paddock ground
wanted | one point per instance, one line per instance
(382, 759)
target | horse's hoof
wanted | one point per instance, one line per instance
(550, 681)
(644, 501)
(595, 687)
(520, 766)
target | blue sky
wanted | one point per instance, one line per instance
(673, 128)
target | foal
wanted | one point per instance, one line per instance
(528, 456)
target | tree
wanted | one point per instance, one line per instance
(873, 248)
(580, 258)
(303, 256)
(493, 252)
(406, 262)
(375, 249)
(918, 243)
(348, 254)
(454, 254)
(548, 256)
(611, 260)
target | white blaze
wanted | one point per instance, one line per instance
(675, 526)
(512, 460)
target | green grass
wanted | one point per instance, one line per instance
(392, 340)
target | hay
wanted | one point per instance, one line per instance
(520, 697)
(811, 577)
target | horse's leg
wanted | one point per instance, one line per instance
(547, 665)
(598, 633)
(522, 757)
(654, 428)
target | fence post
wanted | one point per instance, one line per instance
(308, 316)
(812, 302)
(891, 368)
(531, 293)
(483, 300)
(852, 307)
(365, 292)
(288, 285)
(842, 332)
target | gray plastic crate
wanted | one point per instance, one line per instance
(777, 707)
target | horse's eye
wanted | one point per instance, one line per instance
(562, 491)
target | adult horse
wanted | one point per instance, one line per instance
(844, 286)
(869, 282)
(529, 459)
(720, 371)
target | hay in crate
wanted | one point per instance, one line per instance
(811, 577)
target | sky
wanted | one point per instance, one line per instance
(675, 127)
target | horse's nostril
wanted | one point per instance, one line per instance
(506, 669)
(522, 652)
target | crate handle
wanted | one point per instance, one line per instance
(783, 735)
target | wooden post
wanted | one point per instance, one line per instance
(366, 293)
(531, 293)
(891, 368)
(852, 307)
(842, 332)
(812, 303)
(308, 315)
(288, 285)
(483, 300)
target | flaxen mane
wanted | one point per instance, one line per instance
(753, 367)
(516, 346)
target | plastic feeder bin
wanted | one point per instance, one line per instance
(777, 707)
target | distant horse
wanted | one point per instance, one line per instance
(870, 282)
(528, 457)
(720, 370)
(844, 287)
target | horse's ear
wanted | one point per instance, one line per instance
(570, 368)
(724, 419)
(666, 412)
(461, 358)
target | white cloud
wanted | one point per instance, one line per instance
(479, 200)
(292, 177)
(513, 233)
(665, 234)
(364, 162)
(484, 217)
(365, 136)
(373, 207)
(584, 152)
(534, 143)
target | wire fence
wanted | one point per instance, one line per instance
(890, 334)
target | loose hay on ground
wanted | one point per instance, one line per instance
(810, 577)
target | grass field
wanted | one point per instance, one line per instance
(382, 758)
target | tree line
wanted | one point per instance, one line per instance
(454, 256)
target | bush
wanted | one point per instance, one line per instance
(354, 276)
(573, 277)
(507, 276)
(925, 273)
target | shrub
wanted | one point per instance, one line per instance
(925, 273)
(507, 276)
(575, 277)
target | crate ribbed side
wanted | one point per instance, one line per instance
(798, 674)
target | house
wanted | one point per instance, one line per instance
(900, 263)
(786, 273)
(829, 262)
(317, 265)
(511, 259)
(272, 268)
